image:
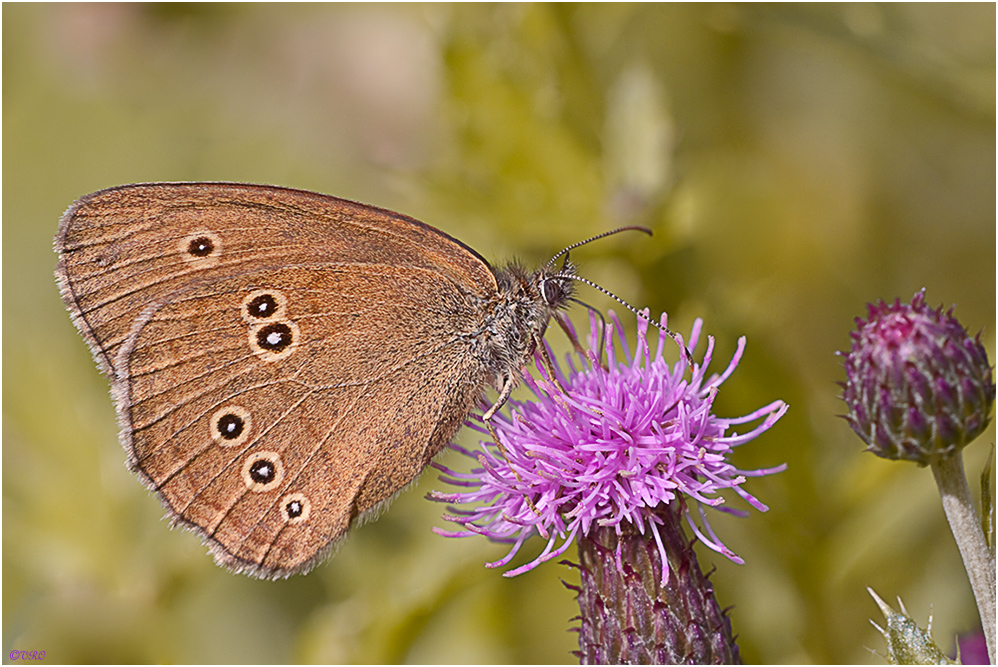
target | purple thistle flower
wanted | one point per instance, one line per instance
(918, 387)
(613, 450)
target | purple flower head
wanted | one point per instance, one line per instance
(918, 387)
(617, 446)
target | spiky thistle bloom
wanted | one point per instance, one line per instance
(632, 447)
(917, 387)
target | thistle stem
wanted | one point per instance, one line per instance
(962, 517)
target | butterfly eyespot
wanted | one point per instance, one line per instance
(201, 249)
(230, 426)
(202, 246)
(295, 508)
(263, 305)
(263, 471)
(275, 340)
(274, 337)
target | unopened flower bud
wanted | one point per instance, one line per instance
(917, 387)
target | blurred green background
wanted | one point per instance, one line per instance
(794, 161)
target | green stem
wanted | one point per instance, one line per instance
(962, 517)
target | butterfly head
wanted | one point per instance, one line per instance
(555, 288)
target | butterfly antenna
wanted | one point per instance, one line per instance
(636, 228)
(571, 276)
(668, 332)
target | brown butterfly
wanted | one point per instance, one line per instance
(283, 362)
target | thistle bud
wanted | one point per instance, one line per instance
(917, 387)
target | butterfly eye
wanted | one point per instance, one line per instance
(553, 292)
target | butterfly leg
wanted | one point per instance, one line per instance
(504, 394)
(549, 367)
(567, 328)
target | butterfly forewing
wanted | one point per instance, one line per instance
(124, 248)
